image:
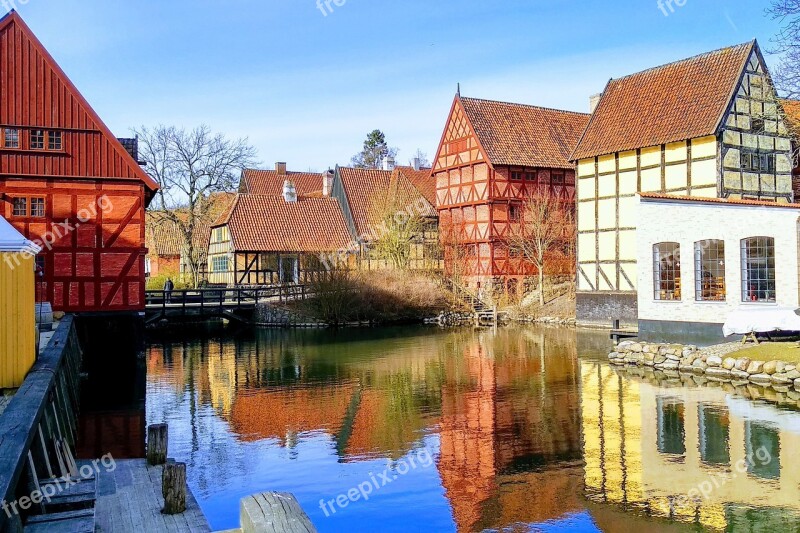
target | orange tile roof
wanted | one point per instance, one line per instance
(791, 108)
(269, 182)
(422, 180)
(163, 237)
(517, 134)
(724, 201)
(260, 223)
(673, 102)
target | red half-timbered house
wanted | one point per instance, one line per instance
(67, 182)
(491, 158)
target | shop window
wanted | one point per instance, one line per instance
(758, 269)
(667, 271)
(709, 268)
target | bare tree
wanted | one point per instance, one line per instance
(422, 157)
(787, 43)
(190, 166)
(398, 221)
(546, 227)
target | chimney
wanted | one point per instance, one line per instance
(594, 100)
(280, 168)
(416, 163)
(327, 183)
(388, 163)
(289, 192)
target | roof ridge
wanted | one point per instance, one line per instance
(530, 106)
(687, 59)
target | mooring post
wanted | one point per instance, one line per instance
(173, 487)
(157, 444)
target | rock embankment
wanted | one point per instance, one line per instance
(714, 363)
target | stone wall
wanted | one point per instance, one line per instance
(713, 363)
(274, 316)
(601, 308)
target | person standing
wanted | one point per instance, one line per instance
(168, 288)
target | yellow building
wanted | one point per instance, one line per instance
(17, 298)
(709, 126)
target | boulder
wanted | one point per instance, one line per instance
(714, 361)
(761, 379)
(717, 372)
(670, 366)
(770, 367)
(672, 356)
(789, 368)
(780, 368)
(755, 367)
(793, 374)
(635, 347)
(658, 359)
(797, 384)
(729, 363)
(740, 374)
(742, 364)
(781, 378)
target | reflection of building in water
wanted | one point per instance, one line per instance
(510, 418)
(648, 448)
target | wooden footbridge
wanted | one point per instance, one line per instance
(236, 304)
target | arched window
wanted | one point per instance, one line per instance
(667, 271)
(709, 271)
(758, 269)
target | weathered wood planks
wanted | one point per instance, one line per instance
(277, 512)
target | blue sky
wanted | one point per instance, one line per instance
(306, 88)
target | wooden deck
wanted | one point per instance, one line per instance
(129, 500)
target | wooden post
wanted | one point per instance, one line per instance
(157, 444)
(274, 511)
(173, 487)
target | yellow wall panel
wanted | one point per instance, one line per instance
(704, 147)
(608, 245)
(651, 180)
(611, 273)
(607, 213)
(628, 183)
(586, 221)
(18, 327)
(590, 271)
(705, 192)
(586, 167)
(586, 247)
(676, 152)
(675, 176)
(627, 245)
(651, 156)
(586, 188)
(628, 207)
(606, 163)
(627, 160)
(704, 173)
(631, 270)
(607, 185)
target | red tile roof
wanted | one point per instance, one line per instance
(269, 182)
(791, 108)
(163, 237)
(725, 201)
(517, 134)
(422, 180)
(260, 223)
(674, 102)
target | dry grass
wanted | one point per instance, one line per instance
(788, 352)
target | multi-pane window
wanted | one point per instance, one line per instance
(513, 213)
(558, 178)
(709, 269)
(758, 269)
(530, 176)
(758, 162)
(220, 263)
(517, 175)
(37, 139)
(20, 207)
(667, 271)
(10, 138)
(54, 141)
(37, 207)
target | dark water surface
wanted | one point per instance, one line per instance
(514, 430)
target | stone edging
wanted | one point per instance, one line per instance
(710, 363)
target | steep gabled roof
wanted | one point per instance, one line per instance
(260, 223)
(422, 180)
(164, 237)
(674, 102)
(68, 108)
(791, 109)
(524, 135)
(270, 182)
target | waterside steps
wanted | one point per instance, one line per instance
(485, 315)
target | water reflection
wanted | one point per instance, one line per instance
(526, 435)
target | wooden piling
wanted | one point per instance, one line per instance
(274, 511)
(157, 444)
(173, 486)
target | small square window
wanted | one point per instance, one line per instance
(530, 176)
(37, 140)
(558, 178)
(516, 175)
(11, 138)
(37, 207)
(54, 140)
(20, 207)
(757, 125)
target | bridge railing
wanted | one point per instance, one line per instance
(224, 297)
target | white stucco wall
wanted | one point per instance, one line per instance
(687, 222)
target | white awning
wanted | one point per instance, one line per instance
(12, 240)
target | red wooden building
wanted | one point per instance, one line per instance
(492, 156)
(66, 181)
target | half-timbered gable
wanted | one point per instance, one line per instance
(705, 127)
(492, 157)
(68, 183)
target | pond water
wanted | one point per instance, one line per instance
(414, 429)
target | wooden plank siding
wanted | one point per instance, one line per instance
(94, 193)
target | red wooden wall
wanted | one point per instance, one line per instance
(95, 193)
